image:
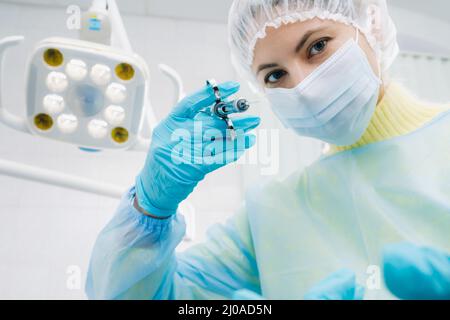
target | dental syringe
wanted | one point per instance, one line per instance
(223, 109)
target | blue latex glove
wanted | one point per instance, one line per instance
(416, 273)
(340, 285)
(185, 147)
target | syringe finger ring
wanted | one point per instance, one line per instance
(213, 84)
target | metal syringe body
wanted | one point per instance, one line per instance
(224, 108)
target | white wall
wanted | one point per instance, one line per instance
(424, 65)
(44, 229)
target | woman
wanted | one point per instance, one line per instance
(322, 66)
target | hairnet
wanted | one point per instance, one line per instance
(248, 20)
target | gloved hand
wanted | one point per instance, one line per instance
(416, 273)
(340, 285)
(185, 147)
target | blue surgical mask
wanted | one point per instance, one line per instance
(335, 103)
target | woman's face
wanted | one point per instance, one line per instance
(288, 54)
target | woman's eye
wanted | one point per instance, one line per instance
(274, 77)
(317, 48)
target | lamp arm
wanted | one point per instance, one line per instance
(6, 117)
(119, 34)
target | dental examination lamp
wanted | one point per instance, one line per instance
(90, 92)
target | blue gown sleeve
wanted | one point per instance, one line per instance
(134, 258)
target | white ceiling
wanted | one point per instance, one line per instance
(206, 10)
(217, 10)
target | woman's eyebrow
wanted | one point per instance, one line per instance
(306, 36)
(266, 66)
(299, 47)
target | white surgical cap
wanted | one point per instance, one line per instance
(248, 20)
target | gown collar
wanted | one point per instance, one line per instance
(398, 113)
